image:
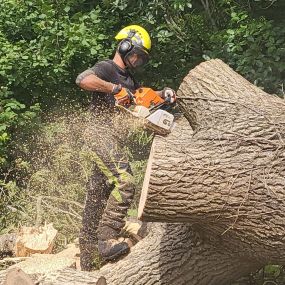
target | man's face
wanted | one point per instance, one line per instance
(137, 58)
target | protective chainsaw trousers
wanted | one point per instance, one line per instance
(110, 191)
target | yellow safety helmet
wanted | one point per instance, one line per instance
(138, 35)
(134, 46)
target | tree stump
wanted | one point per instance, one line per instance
(28, 240)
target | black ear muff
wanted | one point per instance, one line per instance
(125, 46)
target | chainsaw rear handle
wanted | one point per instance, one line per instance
(125, 97)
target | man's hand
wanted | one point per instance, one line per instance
(116, 89)
(169, 95)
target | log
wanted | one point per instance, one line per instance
(227, 177)
(27, 241)
(39, 264)
(173, 254)
(31, 240)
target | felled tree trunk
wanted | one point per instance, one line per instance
(169, 255)
(228, 179)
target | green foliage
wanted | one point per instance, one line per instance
(43, 45)
(255, 48)
(43, 41)
(12, 114)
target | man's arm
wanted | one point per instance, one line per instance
(89, 81)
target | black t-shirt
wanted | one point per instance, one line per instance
(109, 71)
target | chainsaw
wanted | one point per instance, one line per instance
(145, 103)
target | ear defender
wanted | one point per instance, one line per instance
(125, 46)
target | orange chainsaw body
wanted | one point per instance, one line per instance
(144, 96)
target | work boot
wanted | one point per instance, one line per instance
(112, 249)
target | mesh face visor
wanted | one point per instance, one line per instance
(136, 58)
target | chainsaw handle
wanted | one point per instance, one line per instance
(130, 94)
(125, 97)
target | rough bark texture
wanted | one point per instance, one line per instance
(228, 177)
(171, 254)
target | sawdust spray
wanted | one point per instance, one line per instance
(56, 163)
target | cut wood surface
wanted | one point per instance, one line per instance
(45, 263)
(28, 240)
(32, 240)
(40, 265)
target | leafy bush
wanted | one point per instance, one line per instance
(12, 114)
(254, 48)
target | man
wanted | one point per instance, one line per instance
(111, 185)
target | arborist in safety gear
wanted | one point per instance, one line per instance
(111, 187)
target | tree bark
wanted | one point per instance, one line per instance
(228, 177)
(171, 254)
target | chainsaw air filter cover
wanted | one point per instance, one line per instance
(162, 119)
